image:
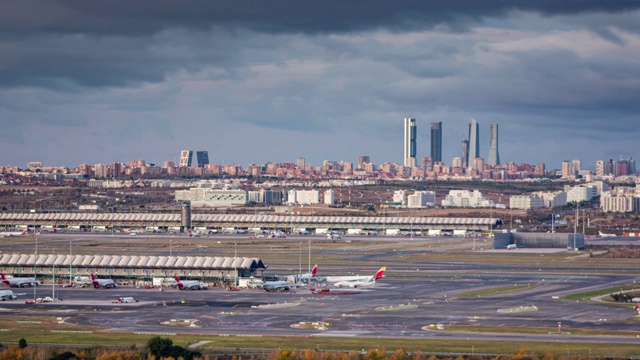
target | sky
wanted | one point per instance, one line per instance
(253, 81)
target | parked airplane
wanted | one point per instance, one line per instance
(356, 284)
(14, 233)
(129, 299)
(102, 283)
(191, 284)
(512, 247)
(194, 234)
(19, 282)
(7, 295)
(606, 235)
(344, 279)
(278, 286)
(334, 235)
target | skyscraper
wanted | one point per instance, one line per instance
(494, 155)
(203, 158)
(409, 142)
(474, 141)
(436, 141)
(465, 152)
(186, 158)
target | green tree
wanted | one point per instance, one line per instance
(159, 347)
(22, 343)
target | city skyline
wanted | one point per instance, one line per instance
(326, 81)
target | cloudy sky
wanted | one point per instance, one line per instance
(255, 81)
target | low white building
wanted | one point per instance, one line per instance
(303, 197)
(620, 204)
(400, 196)
(582, 193)
(208, 197)
(466, 198)
(553, 198)
(420, 199)
(329, 196)
(526, 202)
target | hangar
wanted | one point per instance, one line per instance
(127, 268)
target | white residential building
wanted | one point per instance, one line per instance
(420, 199)
(465, 198)
(329, 197)
(400, 196)
(622, 204)
(303, 197)
(552, 199)
(582, 193)
(526, 202)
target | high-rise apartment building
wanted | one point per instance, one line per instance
(203, 158)
(478, 164)
(363, 159)
(186, 158)
(577, 166)
(494, 155)
(410, 134)
(301, 163)
(474, 141)
(567, 169)
(600, 168)
(436, 141)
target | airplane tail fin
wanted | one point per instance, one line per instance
(314, 270)
(2, 276)
(93, 277)
(380, 273)
(24, 232)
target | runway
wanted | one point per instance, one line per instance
(391, 309)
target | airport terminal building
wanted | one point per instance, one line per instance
(128, 269)
(85, 221)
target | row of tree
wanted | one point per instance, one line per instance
(158, 348)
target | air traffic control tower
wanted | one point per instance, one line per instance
(185, 220)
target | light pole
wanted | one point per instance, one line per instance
(170, 248)
(575, 227)
(70, 262)
(235, 260)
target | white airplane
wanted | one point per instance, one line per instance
(277, 235)
(194, 234)
(606, 235)
(334, 236)
(190, 284)
(278, 286)
(19, 282)
(355, 284)
(14, 233)
(129, 299)
(512, 247)
(7, 295)
(102, 283)
(357, 279)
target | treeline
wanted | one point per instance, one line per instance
(163, 349)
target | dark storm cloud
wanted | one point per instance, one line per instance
(69, 44)
(144, 17)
